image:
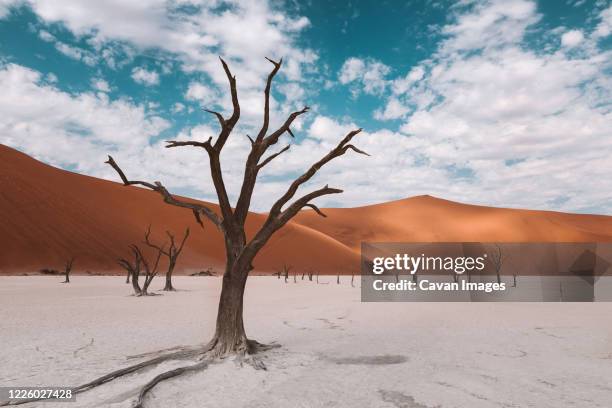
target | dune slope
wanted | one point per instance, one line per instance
(48, 215)
(431, 219)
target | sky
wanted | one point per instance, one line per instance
(501, 103)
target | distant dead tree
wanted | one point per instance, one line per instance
(127, 275)
(338, 279)
(135, 269)
(352, 279)
(310, 274)
(67, 269)
(496, 258)
(230, 337)
(172, 253)
(285, 272)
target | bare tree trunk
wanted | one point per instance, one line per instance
(127, 277)
(230, 336)
(352, 280)
(135, 284)
(168, 286)
(172, 253)
(67, 270)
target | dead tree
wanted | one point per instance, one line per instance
(134, 269)
(310, 273)
(285, 272)
(149, 273)
(496, 258)
(230, 337)
(338, 279)
(67, 269)
(172, 253)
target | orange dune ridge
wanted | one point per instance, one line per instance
(48, 215)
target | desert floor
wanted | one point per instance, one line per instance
(336, 351)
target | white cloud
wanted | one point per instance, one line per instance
(145, 77)
(5, 7)
(393, 110)
(76, 53)
(530, 128)
(403, 84)
(490, 24)
(46, 36)
(351, 70)
(80, 128)
(572, 38)
(365, 75)
(178, 107)
(195, 38)
(604, 28)
(70, 51)
(100, 85)
(200, 92)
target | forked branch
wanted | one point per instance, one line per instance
(338, 151)
(198, 209)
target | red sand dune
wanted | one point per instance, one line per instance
(48, 215)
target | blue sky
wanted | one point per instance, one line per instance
(503, 103)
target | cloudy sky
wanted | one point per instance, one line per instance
(503, 103)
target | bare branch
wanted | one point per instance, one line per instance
(125, 180)
(317, 210)
(251, 169)
(272, 157)
(231, 122)
(304, 201)
(148, 242)
(219, 117)
(180, 248)
(176, 143)
(215, 172)
(266, 119)
(276, 221)
(355, 149)
(285, 127)
(199, 209)
(339, 150)
(251, 139)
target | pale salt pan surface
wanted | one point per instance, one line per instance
(336, 351)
